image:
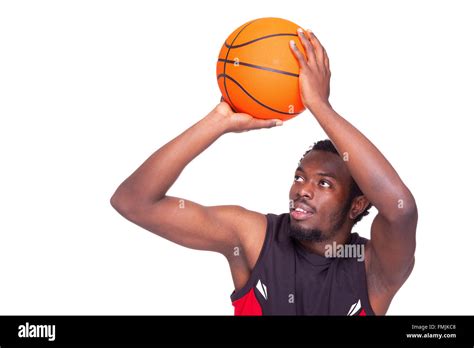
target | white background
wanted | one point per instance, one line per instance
(90, 89)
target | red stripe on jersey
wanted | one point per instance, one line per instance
(362, 313)
(247, 305)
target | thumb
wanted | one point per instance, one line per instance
(266, 123)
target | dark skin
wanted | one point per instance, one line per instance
(389, 255)
(322, 182)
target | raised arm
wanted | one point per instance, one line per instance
(390, 252)
(142, 199)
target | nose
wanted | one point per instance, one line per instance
(304, 191)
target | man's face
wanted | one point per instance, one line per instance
(321, 189)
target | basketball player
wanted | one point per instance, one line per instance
(296, 263)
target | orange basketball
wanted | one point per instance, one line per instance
(257, 72)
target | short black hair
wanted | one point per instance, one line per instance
(328, 146)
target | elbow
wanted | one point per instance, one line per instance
(129, 203)
(115, 202)
(404, 210)
(409, 209)
(122, 204)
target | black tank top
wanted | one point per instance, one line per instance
(289, 280)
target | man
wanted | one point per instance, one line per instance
(291, 264)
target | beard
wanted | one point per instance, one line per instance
(306, 234)
(315, 234)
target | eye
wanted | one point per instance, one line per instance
(325, 184)
(297, 177)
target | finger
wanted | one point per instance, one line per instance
(308, 47)
(317, 46)
(298, 55)
(326, 61)
(257, 124)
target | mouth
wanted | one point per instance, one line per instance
(301, 212)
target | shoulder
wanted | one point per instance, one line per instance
(380, 291)
(253, 229)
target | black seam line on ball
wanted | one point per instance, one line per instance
(259, 67)
(251, 96)
(257, 39)
(227, 56)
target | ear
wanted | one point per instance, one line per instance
(359, 204)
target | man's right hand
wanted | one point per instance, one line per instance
(240, 122)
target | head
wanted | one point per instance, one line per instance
(324, 188)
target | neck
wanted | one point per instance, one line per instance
(319, 248)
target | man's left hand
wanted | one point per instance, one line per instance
(314, 70)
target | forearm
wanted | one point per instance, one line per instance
(150, 182)
(373, 173)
